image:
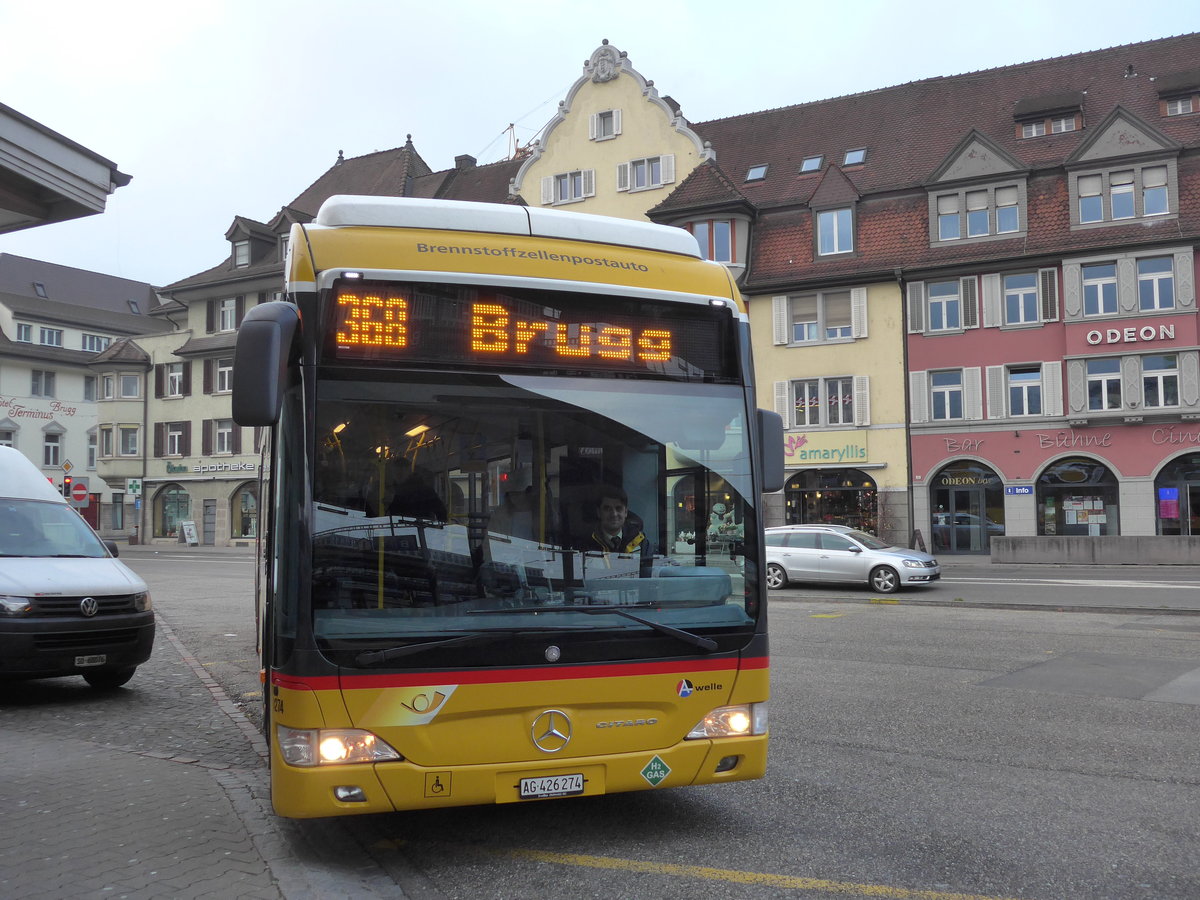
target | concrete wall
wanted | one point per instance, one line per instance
(1166, 550)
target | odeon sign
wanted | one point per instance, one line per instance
(1131, 335)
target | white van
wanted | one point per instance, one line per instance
(67, 605)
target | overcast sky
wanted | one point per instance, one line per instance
(219, 108)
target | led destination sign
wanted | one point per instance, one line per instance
(463, 326)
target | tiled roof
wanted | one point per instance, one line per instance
(707, 186)
(394, 173)
(35, 309)
(909, 129)
(124, 350)
(77, 287)
(909, 132)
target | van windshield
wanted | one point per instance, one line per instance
(38, 529)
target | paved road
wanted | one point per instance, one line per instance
(919, 751)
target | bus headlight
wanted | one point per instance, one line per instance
(732, 721)
(331, 746)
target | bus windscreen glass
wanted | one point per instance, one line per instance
(451, 509)
(462, 326)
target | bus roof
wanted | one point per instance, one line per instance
(458, 215)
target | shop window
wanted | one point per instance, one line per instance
(171, 507)
(1177, 496)
(966, 502)
(244, 512)
(833, 497)
(1078, 496)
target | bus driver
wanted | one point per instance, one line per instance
(617, 531)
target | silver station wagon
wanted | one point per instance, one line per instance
(822, 553)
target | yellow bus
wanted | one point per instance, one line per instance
(511, 500)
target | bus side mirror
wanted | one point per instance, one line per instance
(260, 361)
(770, 450)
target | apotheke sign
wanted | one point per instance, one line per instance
(204, 468)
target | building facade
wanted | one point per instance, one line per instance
(55, 321)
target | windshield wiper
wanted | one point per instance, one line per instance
(491, 635)
(371, 657)
(678, 633)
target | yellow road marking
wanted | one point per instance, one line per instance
(826, 615)
(732, 875)
(888, 602)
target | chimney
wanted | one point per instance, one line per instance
(464, 162)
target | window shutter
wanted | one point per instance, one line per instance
(1189, 378)
(996, 407)
(593, 126)
(1072, 291)
(1052, 394)
(159, 375)
(972, 393)
(779, 316)
(1076, 386)
(918, 396)
(668, 168)
(969, 292)
(862, 400)
(589, 182)
(185, 443)
(240, 310)
(208, 375)
(548, 189)
(623, 176)
(916, 307)
(1185, 285)
(616, 121)
(206, 437)
(993, 314)
(160, 432)
(1048, 294)
(187, 378)
(1127, 292)
(783, 390)
(235, 439)
(858, 312)
(210, 316)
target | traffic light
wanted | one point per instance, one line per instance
(66, 489)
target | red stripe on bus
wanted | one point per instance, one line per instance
(509, 676)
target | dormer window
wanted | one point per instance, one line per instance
(1033, 129)
(1057, 113)
(811, 163)
(1178, 106)
(756, 173)
(855, 157)
(1062, 124)
(241, 254)
(283, 246)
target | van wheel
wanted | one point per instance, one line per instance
(776, 577)
(885, 580)
(109, 679)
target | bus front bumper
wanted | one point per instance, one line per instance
(387, 787)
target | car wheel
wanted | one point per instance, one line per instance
(109, 679)
(776, 577)
(885, 579)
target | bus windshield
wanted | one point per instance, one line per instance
(612, 516)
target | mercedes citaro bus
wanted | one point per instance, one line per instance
(448, 389)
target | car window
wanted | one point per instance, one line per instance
(835, 542)
(803, 540)
(869, 540)
(776, 540)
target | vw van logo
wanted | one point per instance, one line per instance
(89, 606)
(551, 731)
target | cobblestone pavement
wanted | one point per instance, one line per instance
(155, 790)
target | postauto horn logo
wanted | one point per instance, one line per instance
(686, 688)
